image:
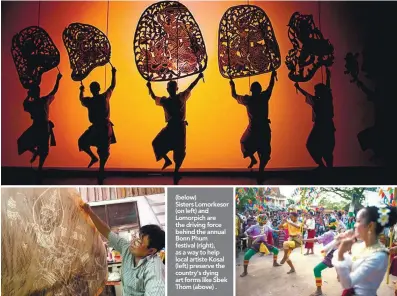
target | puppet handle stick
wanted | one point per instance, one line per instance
(273, 69)
(389, 263)
(200, 67)
(303, 196)
(111, 64)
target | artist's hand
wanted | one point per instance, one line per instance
(59, 76)
(86, 207)
(148, 84)
(201, 75)
(114, 70)
(82, 87)
(296, 84)
(274, 73)
(231, 82)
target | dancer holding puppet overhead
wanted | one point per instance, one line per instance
(182, 53)
(310, 52)
(34, 53)
(242, 54)
(100, 134)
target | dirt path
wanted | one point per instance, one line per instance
(265, 280)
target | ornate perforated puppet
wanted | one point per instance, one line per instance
(310, 49)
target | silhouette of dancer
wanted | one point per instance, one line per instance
(40, 135)
(100, 134)
(321, 141)
(372, 137)
(173, 136)
(257, 136)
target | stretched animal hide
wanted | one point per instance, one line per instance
(87, 47)
(310, 50)
(48, 245)
(247, 44)
(34, 53)
(168, 43)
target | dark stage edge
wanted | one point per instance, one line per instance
(335, 176)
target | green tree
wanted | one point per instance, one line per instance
(333, 205)
(355, 195)
(290, 202)
(249, 194)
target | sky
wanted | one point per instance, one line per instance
(287, 190)
(216, 121)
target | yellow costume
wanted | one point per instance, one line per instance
(295, 240)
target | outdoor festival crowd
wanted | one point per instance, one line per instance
(359, 273)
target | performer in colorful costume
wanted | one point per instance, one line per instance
(329, 248)
(294, 240)
(259, 233)
(362, 273)
(310, 226)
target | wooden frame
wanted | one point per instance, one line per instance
(108, 219)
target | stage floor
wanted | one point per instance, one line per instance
(336, 176)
